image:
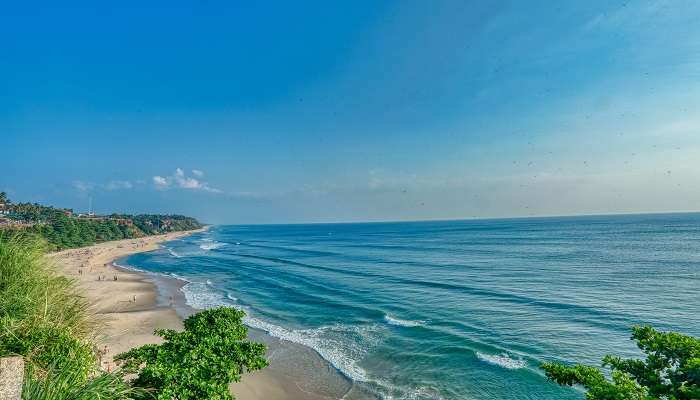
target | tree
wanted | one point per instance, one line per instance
(671, 370)
(199, 362)
(3, 198)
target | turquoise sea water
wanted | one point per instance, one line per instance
(450, 310)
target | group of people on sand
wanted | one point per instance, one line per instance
(115, 277)
(90, 253)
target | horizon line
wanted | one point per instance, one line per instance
(617, 214)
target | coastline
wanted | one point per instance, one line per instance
(132, 303)
(126, 302)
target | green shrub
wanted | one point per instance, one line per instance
(199, 362)
(671, 370)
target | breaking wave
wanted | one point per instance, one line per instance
(211, 245)
(401, 322)
(502, 360)
(341, 345)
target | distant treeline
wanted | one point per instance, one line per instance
(62, 229)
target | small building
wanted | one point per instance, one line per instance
(92, 217)
(124, 221)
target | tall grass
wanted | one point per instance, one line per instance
(42, 315)
(45, 319)
(68, 384)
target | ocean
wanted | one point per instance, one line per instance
(448, 309)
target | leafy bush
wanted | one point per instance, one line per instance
(199, 362)
(671, 370)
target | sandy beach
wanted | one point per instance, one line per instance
(125, 300)
(132, 304)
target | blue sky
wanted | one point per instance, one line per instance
(352, 111)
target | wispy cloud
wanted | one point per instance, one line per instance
(623, 16)
(181, 181)
(118, 185)
(178, 180)
(84, 187)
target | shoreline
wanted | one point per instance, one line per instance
(131, 303)
(125, 302)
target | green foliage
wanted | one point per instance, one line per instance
(62, 230)
(69, 384)
(45, 319)
(42, 316)
(199, 362)
(671, 370)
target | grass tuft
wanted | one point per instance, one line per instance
(68, 384)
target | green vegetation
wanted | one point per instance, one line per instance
(671, 370)
(63, 230)
(199, 362)
(69, 384)
(44, 319)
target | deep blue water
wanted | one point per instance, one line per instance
(451, 310)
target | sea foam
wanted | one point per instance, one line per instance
(211, 245)
(172, 252)
(401, 322)
(502, 360)
(341, 345)
(200, 297)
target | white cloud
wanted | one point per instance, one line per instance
(182, 181)
(198, 173)
(160, 182)
(186, 182)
